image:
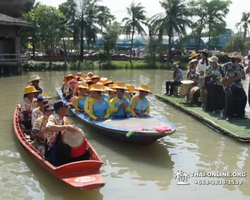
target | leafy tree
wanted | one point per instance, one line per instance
(49, 26)
(216, 12)
(175, 17)
(244, 22)
(133, 23)
(110, 37)
(235, 43)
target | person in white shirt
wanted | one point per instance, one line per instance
(200, 69)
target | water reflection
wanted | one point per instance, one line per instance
(130, 171)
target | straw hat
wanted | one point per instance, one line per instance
(108, 89)
(213, 59)
(96, 88)
(193, 54)
(193, 60)
(84, 76)
(83, 86)
(205, 51)
(47, 96)
(143, 87)
(130, 88)
(35, 78)
(108, 82)
(120, 85)
(30, 89)
(69, 75)
(236, 55)
(95, 77)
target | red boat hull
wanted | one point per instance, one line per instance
(83, 175)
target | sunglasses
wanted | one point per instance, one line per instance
(44, 103)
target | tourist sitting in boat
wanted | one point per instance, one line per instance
(28, 105)
(233, 72)
(140, 105)
(95, 79)
(99, 107)
(38, 112)
(119, 106)
(72, 89)
(177, 78)
(79, 76)
(38, 129)
(130, 92)
(65, 86)
(191, 73)
(213, 87)
(87, 102)
(56, 152)
(80, 100)
(34, 81)
(112, 93)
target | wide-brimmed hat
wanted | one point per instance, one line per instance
(95, 77)
(69, 75)
(213, 59)
(144, 87)
(108, 89)
(83, 86)
(119, 85)
(47, 96)
(90, 73)
(108, 82)
(205, 51)
(236, 55)
(30, 89)
(131, 88)
(96, 88)
(193, 54)
(35, 78)
(193, 60)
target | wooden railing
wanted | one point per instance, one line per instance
(14, 58)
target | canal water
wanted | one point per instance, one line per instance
(131, 171)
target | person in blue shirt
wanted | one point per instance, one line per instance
(119, 106)
(177, 78)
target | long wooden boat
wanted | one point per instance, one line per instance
(118, 128)
(83, 175)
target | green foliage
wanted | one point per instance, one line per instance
(49, 25)
(175, 18)
(244, 22)
(110, 37)
(133, 23)
(235, 43)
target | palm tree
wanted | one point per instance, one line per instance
(244, 22)
(133, 23)
(104, 17)
(175, 18)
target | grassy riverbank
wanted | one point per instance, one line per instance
(45, 66)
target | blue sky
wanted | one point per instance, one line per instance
(118, 8)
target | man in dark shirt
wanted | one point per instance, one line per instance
(177, 78)
(233, 72)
